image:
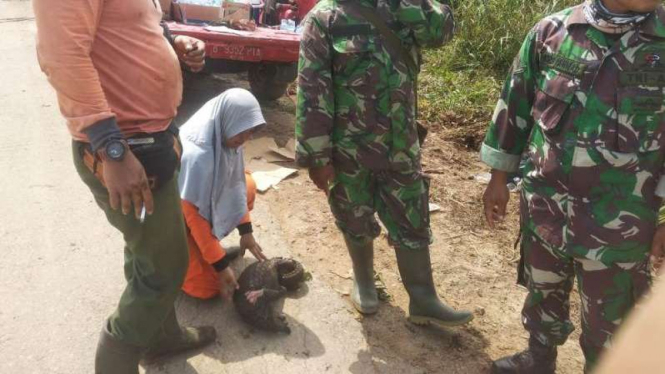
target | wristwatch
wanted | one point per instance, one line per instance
(115, 150)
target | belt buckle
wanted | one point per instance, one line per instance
(141, 141)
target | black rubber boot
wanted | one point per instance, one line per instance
(537, 359)
(175, 339)
(115, 357)
(425, 307)
(363, 294)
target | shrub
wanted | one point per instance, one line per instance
(465, 77)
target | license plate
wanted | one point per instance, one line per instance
(236, 52)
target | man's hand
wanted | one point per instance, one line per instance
(495, 198)
(322, 176)
(247, 241)
(190, 51)
(227, 283)
(658, 247)
(128, 185)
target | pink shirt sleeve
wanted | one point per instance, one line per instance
(65, 33)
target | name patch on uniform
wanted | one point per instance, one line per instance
(642, 78)
(563, 64)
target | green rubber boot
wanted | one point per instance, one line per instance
(425, 307)
(363, 294)
(175, 339)
(115, 357)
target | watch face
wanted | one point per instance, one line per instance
(115, 150)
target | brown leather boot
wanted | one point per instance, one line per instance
(537, 359)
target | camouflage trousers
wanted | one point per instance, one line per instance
(607, 291)
(401, 200)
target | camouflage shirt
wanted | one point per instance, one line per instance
(582, 115)
(355, 96)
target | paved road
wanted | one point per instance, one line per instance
(61, 263)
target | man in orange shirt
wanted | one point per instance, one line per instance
(118, 79)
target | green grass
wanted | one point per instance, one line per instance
(466, 76)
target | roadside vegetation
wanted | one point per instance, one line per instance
(460, 83)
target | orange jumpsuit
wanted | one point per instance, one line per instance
(205, 249)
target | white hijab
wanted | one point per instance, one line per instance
(212, 176)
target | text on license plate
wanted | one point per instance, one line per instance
(240, 52)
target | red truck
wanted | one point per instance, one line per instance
(269, 55)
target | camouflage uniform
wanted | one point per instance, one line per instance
(583, 118)
(356, 110)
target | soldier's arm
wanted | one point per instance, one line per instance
(432, 22)
(511, 125)
(315, 104)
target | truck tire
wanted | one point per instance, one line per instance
(267, 81)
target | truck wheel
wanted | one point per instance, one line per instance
(265, 82)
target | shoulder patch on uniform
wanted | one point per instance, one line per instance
(650, 60)
(562, 64)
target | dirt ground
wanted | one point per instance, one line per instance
(474, 267)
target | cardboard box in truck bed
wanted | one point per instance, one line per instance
(235, 11)
(184, 12)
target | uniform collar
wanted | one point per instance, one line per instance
(577, 16)
(654, 25)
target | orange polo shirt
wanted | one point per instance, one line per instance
(109, 58)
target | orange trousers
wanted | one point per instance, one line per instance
(205, 249)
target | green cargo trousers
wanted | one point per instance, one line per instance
(156, 260)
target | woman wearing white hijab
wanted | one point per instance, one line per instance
(217, 194)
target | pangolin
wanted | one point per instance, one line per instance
(263, 283)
